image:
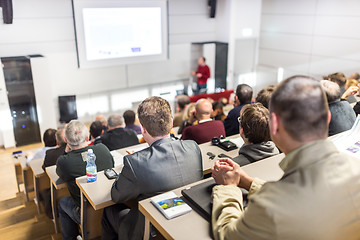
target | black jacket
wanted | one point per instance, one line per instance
(52, 155)
(119, 138)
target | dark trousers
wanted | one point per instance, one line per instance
(46, 198)
(200, 88)
(111, 220)
(69, 215)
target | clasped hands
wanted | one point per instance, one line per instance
(228, 172)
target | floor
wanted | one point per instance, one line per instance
(19, 219)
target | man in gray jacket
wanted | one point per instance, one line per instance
(254, 130)
(317, 197)
(167, 164)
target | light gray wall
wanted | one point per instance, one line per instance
(314, 37)
(46, 27)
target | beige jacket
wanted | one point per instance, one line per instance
(317, 198)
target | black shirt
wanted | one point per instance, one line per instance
(52, 155)
(119, 138)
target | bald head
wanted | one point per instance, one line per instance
(203, 109)
(102, 119)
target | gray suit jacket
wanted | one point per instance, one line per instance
(167, 164)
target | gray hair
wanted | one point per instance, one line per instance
(332, 90)
(75, 133)
(115, 120)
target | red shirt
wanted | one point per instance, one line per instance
(205, 71)
(203, 132)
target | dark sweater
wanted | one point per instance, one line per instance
(73, 165)
(254, 152)
(119, 138)
(52, 155)
(342, 117)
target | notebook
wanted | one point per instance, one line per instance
(199, 198)
(170, 205)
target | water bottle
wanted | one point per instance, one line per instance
(91, 170)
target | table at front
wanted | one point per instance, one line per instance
(58, 189)
(208, 147)
(98, 195)
(192, 225)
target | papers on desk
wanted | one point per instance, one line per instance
(118, 158)
(349, 142)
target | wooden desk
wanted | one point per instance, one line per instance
(41, 180)
(192, 225)
(98, 195)
(23, 174)
(135, 148)
(58, 190)
(208, 147)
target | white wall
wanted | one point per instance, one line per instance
(46, 27)
(314, 37)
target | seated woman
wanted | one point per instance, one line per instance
(254, 130)
(218, 112)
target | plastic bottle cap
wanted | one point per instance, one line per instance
(90, 151)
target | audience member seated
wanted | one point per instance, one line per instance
(355, 76)
(117, 137)
(50, 159)
(224, 101)
(52, 155)
(73, 165)
(186, 115)
(129, 117)
(218, 112)
(254, 130)
(318, 195)
(96, 130)
(103, 120)
(206, 128)
(340, 79)
(50, 143)
(181, 102)
(165, 165)
(264, 95)
(243, 96)
(342, 115)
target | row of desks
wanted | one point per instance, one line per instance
(192, 225)
(98, 193)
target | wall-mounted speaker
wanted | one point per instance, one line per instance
(7, 11)
(212, 7)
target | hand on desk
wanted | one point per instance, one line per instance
(227, 172)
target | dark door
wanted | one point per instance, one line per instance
(21, 95)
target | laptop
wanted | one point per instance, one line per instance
(199, 198)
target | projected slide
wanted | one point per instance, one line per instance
(122, 32)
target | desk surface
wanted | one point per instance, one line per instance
(208, 147)
(182, 227)
(54, 178)
(20, 159)
(98, 192)
(36, 166)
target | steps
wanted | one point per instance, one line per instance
(19, 220)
